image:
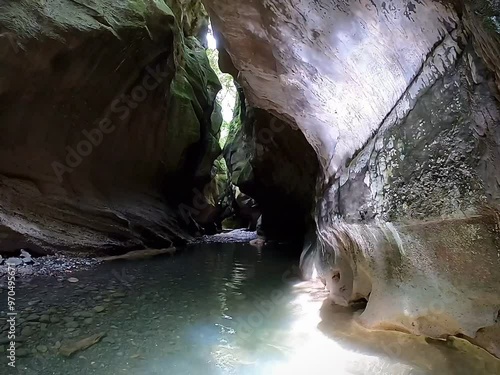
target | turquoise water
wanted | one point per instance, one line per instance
(213, 309)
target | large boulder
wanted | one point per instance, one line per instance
(108, 119)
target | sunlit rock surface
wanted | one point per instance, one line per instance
(108, 122)
(399, 100)
(336, 68)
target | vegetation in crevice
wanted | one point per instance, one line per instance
(227, 95)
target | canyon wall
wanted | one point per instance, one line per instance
(399, 100)
(374, 124)
(108, 122)
(272, 162)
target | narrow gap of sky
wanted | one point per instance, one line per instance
(227, 96)
(212, 43)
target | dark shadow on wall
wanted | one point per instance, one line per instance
(273, 163)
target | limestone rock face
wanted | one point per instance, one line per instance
(108, 121)
(414, 213)
(399, 100)
(336, 68)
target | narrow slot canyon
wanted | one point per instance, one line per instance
(250, 187)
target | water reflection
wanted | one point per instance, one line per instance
(223, 309)
(313, 335)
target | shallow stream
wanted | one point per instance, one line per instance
(213, 309)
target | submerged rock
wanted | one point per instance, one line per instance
(99, 309)
(22, 352)
(140, 254)
(28, 331)
(33, 318)
(68, 349)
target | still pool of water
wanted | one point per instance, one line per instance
(214, 309)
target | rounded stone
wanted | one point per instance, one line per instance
(108, 340)
(22, 352)
(87, 314)
(33, 318)
(99, 309)
(27, 331)
(42, 348)
(72, 324)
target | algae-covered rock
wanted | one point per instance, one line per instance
(107, 116)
